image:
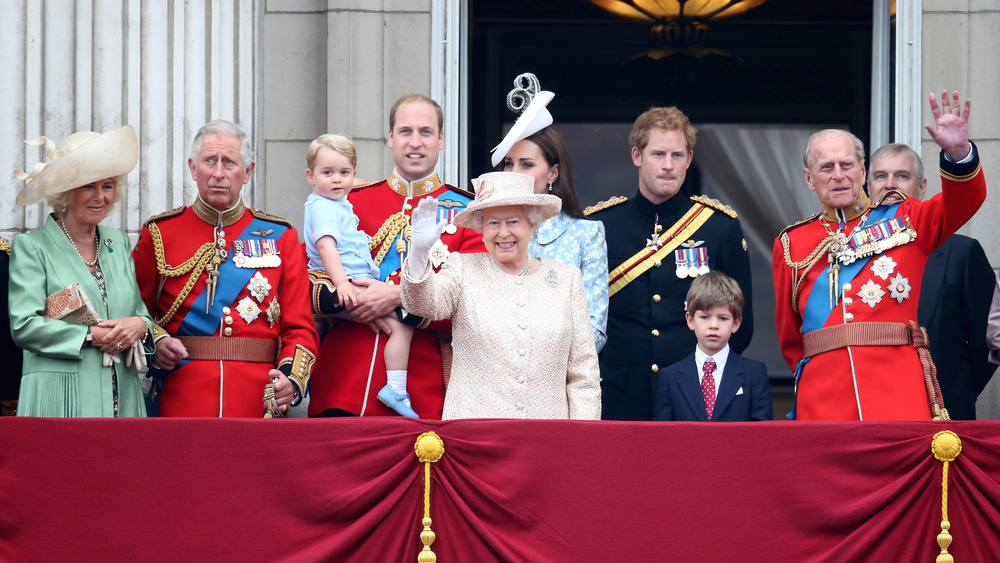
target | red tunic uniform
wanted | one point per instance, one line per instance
(262, 293)
(350, 367)
(884, 287)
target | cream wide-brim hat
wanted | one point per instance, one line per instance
(535, 118)
(83, 158)
(499, 189)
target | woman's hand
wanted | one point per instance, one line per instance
(425, 230)
(115, 335)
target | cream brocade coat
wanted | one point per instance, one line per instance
(523, 345)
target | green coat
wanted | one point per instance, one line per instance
(61, 377)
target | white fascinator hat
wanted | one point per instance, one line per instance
(527, 98)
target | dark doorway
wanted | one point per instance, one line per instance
(786, 65)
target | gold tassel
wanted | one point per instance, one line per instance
(946, 446)
(429, 448)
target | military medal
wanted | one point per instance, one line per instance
(273, 312)
(256, 253)
(871, 294)
(702, 260)
(248, 309)
(899, 288)
(259, 287)
(681, 261)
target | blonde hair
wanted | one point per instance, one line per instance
(340, 143)
(712, 289)
(60, 201)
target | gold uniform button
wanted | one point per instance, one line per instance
(226, 310)
(656, 298)
(655, 368)
(655, 333)
(228, 331)
(228, 320)
(848, 301)
(658, 263)
(408, 207)
(848, 287)
(848, 317)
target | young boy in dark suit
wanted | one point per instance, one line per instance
(714, 383)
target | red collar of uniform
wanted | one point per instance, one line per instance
(416, 188)
(214, 217)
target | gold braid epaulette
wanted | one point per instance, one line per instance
(268, 217)
(195, 265)
(715, 204)
(395, 224)
(4, 245)
(806, 265)
(602, 205)
(164, 215)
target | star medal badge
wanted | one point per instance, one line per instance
(259, 287)
(439, 254)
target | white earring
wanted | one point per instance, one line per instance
(550, 187)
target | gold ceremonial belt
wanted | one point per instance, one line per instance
(258, 350)
(855, 334)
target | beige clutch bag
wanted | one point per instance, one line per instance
(71, 305)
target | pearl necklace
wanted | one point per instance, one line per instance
(97, 245)
(524, 271)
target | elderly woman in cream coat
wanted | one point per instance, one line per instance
(522, 340)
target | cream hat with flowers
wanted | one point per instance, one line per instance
(83, 158)
(498, 189)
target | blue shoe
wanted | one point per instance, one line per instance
(399, 402)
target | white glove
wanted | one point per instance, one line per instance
(111, 359)
(136, 354)
(424, 232)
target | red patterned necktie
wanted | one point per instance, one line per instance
(708, 386)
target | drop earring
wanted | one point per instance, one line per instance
(550, 187)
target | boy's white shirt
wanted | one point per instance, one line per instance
(720, 365)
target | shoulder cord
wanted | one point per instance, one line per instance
(196, 265)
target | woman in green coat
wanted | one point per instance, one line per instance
(73, 369)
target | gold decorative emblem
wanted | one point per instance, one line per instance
(273, 312)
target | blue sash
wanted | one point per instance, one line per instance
(231, 281)
(818, 309)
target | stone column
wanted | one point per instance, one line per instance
(165, 68)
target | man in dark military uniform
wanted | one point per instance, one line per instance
(658, 242)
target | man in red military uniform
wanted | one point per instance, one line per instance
(350, 369)
(847, 280)
(229, 290)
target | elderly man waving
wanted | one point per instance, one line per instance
(847, 280)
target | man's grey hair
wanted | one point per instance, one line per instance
(223, 127)
(859, 147)
(893, 149)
